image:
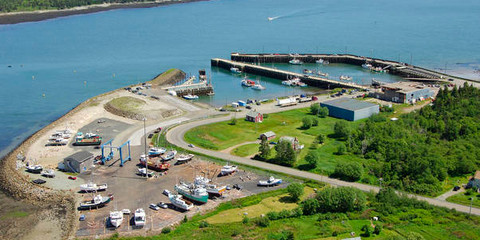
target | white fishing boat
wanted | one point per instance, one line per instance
(320, 61)
(180, 203)
(97, 202)
(184, 158)
(169, 155)
(116, 218)
(92, 187)
(302, 84)
(144, 171)
(190, 97)
(235, 70)
(50, 173)
(367, 66)
(258, 86)
(34, 168)
(345, 78)
(172, 92)
(212, 189)
(287, 83)
(228, 169)
(247, 82)
(139, 217)
(295, 62)
(320, 73)
(155, 151)
(270, 182)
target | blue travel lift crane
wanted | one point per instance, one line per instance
(109, 157)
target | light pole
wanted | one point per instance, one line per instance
(145, 152)
(471, 203)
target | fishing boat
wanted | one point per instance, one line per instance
(192, 192)
(143, 172)
(326, 62)
(320, 61)
(212, 189)
(97, 202)
(247, 82)
(87, 139)
(190, 97)
(345, 78)
(235, 70)
(184, 158)
(287, 82)
(49, 173)
(367, 66)
(302, 84)
(320, 73)
(179, 202)
(378, 69)
(270, 182)
(155, 151)
(116, 218)
(139, 217)
(34, 168)
(169, 155)
(307, 71)
(92, 187)
(156, 164)
(228, 169)
(295, 62)
(258, 86)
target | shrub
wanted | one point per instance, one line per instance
(314, 121)
(378, 229)
(284, 214)
(323, 112)
(349, 171)
(321, 138)
(312, 158)
(295, 191)
(367, 231)
(166, 230)
(342, 149)
(341, 199)
(296, 212)
(262, 222)
(315, 108)
(245, 220)
(307, 122)
(341, 129)
(310, 206)
(185, 219)
(233, 121)
(204, 224)
(272, 215)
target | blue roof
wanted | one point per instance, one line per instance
(349, 104)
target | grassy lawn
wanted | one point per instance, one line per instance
(222, 135)
(245, 150)
(14, 214)
(451, 182)
(128, 104)
(462, 198)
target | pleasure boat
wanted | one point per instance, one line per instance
(143, 172)
(190, 97)
(270, 182)
(247, 82)
(50, 173)
(367, 66)
(257, 86)
(92, 187)
(184, 158)
(180, 203)
(155, 151)
(97, 202)
(235, 70)
(295, 62)
(320, 73)
(116, 218)
(345, 78)
(228, 169)
(307, 71)
(302, 84)
(287, 82)
(34, 168)
(320, 61)
(169, 155)
(139, 217)
(192, 192)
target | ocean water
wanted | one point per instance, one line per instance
(58, 63)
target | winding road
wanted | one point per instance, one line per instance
(176, 137)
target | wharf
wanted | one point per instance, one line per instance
(397, 68)
(283, 75)
(202, 88)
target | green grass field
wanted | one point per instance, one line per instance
(245, 150)
(127, 104)
(462, 198)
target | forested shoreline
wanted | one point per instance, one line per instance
(31, 5)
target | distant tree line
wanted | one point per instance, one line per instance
(19, 5)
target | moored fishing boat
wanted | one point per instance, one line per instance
(97, 202)
(367, 66)
(345, 78)
(235, 70)
(320, 61)
(247, 82)
(295, 61)
(191, 192)
(258, 86)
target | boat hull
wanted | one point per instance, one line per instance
(88, 206)
(189, 196)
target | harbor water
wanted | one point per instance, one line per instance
(48, 67)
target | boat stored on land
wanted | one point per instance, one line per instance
(178, 202)
(156, 164)
(116, 218)
(191, 192)
(139, 217)
(169, 155)
(143, 172)
(92, 187)
(212, 189)
(34, 168)
(270, 182)
(87, 139)
(97, 202)
(50, 173)
(228, 169)
(184, 158)
(155, 151)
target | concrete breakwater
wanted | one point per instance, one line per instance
(283, 75)
(405, 70)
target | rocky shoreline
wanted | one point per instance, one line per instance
(35, 16)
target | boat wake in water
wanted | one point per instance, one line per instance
(298, 13)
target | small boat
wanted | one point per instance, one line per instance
(295, 62)
(235, 70)
(155, 151)
(139, 217)
(184, 158)
(320, 73)
(287, 82)
(169, 155)
(92, 187)
(172, 92)
(97, 202)
(180, 203)
(190, 97)
(247, 82)
(367, 66)
(126, 211)
(116, 218)
(270, 182)
(320, 61)
(210, 94)
(50, 173)
(326, 62)
(228, 169)
(87, 139)
(156, 164)
(143, 172)
(307, 71)
(192, 192)
(212, 189)
(34, 168)
(378, 69)
(302, 84)
(346, 78)
(257, 86)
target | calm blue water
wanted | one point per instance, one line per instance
(74, 58)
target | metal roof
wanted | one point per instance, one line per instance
(253, 114)
(349, 104)
(81, 156)
(269, 134)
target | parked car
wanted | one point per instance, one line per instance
(72, 177)
(248, 107)
(273, 143)
(154, 206)
(39, 181)
(162, 205)
(191, 145)
(166, 192)
(238, 186)
(150, 135)
(456, 188)
(82, 217)
(158, 130)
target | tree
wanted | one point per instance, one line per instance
(295, 190)
(323, 112)
(285, 154)
(314, 121)
(264, 149)
(307, 122)
(310, 206)
(314, 108)
(342, 149)
(321, 138)
(233, 121)
(349, 171)
(367, 231)
(341, 199)
(378, 229)
(312, 158)
(341, 129)
(414, 236)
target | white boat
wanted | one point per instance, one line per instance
(302, 84)
(287, 82)
(126, 211)
(307, 71)
(345, 78)
(172, 92)
(320, 61)
(367, 66)
(247, 82)
(116, 218)
(95, 203)
(212, 189)
(34, 168)
(179, 202)
(235, 70)
(155, 151)
(257, 86)
(92, 187)
(270, 182)
(185, 158)
(143, 172)
(190, 97)
(295, 62)
(169, 155)
(320, 73)
(50, 173)
(326, 62)
(228, 169)
(139, 217)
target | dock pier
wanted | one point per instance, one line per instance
(282, 74)
(202, 88)
(397, 68)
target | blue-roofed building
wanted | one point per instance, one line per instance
(350, 109)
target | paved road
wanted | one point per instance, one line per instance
(175, 136)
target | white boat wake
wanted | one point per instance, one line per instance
(298, 13)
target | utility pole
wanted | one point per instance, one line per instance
(471, 203)
(146, 156)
